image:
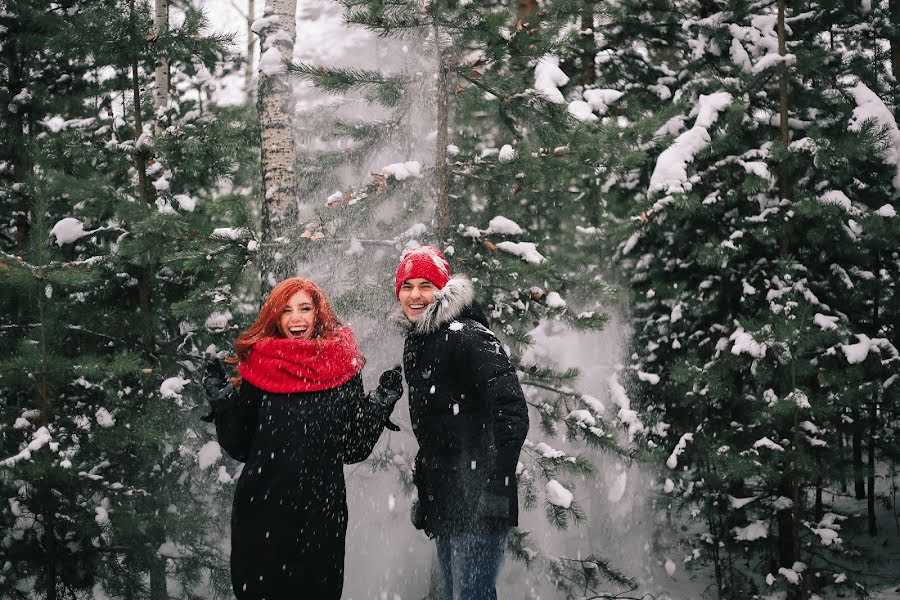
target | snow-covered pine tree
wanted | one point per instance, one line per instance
(109, 274)
(762, 257)
(515, 163)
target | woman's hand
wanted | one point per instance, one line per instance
(216, 386)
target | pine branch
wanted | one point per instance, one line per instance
(550, 388)
(389, 90)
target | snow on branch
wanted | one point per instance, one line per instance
(558, 495)
(672, 461)
(858, 352)
(626, 415)
(40, 438)
(548, 77)
(527, 251)
(869, 107)
(670, 173)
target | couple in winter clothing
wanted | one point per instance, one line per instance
(300, 413)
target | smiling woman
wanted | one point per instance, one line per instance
(298, 318)
(300, 414)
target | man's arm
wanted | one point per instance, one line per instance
(481, 355)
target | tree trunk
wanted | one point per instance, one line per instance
(818, 511)
(275, 103)
(788, 531)
(46, 406)
(588, 44)
(859, 484)
(784, 241)
(441, 168)
(251, 43)
(895, 39)
(158, 579)
(717, 558)
(140, 159)
(873, 407)
(49, 541)
(21, 161)
(843, 446)
(161, 74)
(783, 90)
(870, 480)
(140, 154)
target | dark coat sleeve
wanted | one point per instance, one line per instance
(364, 422)
(479, 353)
(236, 417)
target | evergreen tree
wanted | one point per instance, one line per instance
(113, 275)
(758, 262)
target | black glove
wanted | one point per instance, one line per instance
(216, 386)
(389, 390)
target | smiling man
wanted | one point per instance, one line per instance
(470, 418)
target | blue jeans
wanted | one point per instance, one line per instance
(470, 564)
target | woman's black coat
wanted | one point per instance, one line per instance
(469, 416)
(289, 517)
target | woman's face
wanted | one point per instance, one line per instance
(298, 319)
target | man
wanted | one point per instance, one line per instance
(470, 418)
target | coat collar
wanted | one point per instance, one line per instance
(449, 303)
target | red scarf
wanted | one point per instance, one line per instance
(284, 366)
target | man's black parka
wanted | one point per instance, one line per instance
(468, 414)
(289, 517)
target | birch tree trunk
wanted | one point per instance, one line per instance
(161, 74)
(274, 103)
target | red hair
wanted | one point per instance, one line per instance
(266, 324)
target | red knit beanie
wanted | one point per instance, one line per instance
(426, 262)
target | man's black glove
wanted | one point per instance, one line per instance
(216, 386)
(389, 390)
(417, 514)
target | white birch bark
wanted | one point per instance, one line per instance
(161, 73)
(275, 104)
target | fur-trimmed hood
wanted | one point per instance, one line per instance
(450, 302)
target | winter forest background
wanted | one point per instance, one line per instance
(679, 214)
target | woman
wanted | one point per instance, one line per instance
(299, 415)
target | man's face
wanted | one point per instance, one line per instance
(415, 296)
